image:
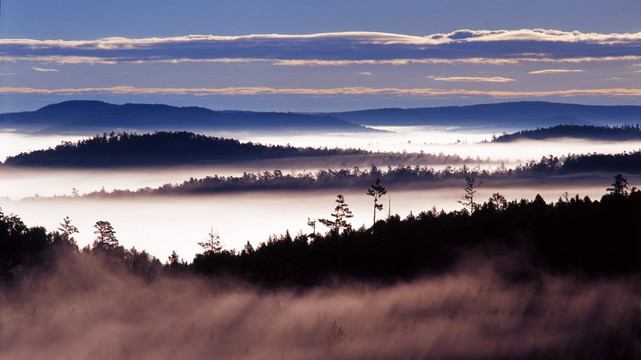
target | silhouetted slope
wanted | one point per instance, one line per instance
(160, 148)
(513, 115)
(97, 116)
(578, 235)
(589, 132)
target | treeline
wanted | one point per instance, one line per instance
(403, 174)
(591, 132)
(625, 162)
(25, 251)
(159, 148)
(182, 148)
(572, 236)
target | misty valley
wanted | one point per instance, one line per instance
(503, 231)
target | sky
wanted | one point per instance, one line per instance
(319, 55)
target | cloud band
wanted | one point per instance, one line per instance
(334, 48)
(235, 91)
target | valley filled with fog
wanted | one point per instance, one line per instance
(161, 224)
(320, 180)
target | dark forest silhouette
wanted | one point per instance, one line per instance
(589, 132)
(547, 167)
(182, 148)
(574, 235)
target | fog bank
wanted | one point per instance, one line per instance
(161, 224)
(87, 310)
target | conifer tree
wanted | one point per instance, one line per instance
(67, 230)
(470, 189)
(341, 214)
(212, 243)
(105, 235)
(376, 191)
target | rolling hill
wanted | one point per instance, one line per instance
(81, 116)
(505, 116)
(587, 132)
(96, 116)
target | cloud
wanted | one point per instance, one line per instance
(498, 79)
(365, 73)
(240, 91)
(6, 74)
(317, 62)
(334, 48)
(554, 71)
(44, 70)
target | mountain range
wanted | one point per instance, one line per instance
(81, 116)
(505, 116)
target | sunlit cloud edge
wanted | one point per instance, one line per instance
(65, 60)
(39, 69)
(334, 48)
(494, 79)
(555, 71)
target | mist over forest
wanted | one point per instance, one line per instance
(181, 240)
(314, 180)
(496, 275)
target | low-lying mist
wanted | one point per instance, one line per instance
(464, 142)
(161, 224)
(86, 309)
(60, 181)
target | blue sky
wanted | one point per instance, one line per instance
(319, 55)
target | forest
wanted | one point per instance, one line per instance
(164, 148)
(159, 148)
(589, 132)
(495, 270)
(585, 237)
(535, 278)
(548, 168)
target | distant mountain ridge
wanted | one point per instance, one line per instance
(98, 116)
(510, 115)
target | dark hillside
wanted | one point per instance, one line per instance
(588, 132)
(160, 148)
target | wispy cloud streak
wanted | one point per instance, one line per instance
(39, 69)
(497, 79)
(554, 71)
(334, 48)
(234, 91)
